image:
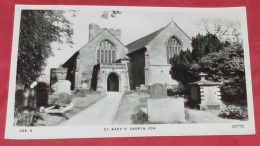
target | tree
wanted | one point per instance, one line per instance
(38, 29)
(222, 65)
(225, 30)
(182, 69)
(112, 14)
(203, 45)
(185, 67)
(227, 66)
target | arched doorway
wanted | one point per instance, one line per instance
(112, 82)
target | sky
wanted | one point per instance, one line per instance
(135, 22)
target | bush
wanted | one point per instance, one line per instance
(139, 118)
(233, 112)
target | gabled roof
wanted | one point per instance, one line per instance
(76, 52)
(142, 42)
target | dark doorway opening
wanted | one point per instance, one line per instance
(112, 82)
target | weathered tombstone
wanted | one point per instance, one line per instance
(158, 91)
(32, 101)
(166, 110)
(25, 99)
(206, 94)
(19, 96)
(42, 94)
(57, 74)
(62, 86)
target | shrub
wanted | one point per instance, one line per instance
(139, 118)
(233, 112)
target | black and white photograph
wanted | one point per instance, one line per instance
(111, 71)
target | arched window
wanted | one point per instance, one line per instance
(106, 57)
(113, 56)
(109, 56)
(98, 56)
(102, 56)
(173, 48)
(106, 52)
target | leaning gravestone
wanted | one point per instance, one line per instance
(62, 86)
(158, 91)
(166, 110)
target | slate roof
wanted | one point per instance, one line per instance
(142, 42)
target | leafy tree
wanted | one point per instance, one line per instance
(227, 66)
(112, 14)
(38, 29)
(224, 63)
(202, 45)
(182, 68)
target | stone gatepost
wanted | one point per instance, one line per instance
(206, 94)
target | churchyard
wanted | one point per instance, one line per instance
(201, 102)
(130, 111)
(80, 101)
(147, 105)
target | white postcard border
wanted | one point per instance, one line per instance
(243, 128)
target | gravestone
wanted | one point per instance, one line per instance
(19, 97)
(158, 91)
(42, 94)
(166, 110)
(62, 86)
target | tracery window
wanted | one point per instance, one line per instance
(106, 52)
(173, 48)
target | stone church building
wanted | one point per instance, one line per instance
(105, 64)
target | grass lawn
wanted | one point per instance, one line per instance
(132, 102)
(80, 101)
(197, 116)
(129, 105)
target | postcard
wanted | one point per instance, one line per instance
(119, 71)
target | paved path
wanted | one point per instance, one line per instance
(102, 112)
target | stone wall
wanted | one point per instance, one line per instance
(88, 57)
(122, 76)
(137, 65)
(159, 69)
(71, 65)
(161, 74)
(157, 48)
